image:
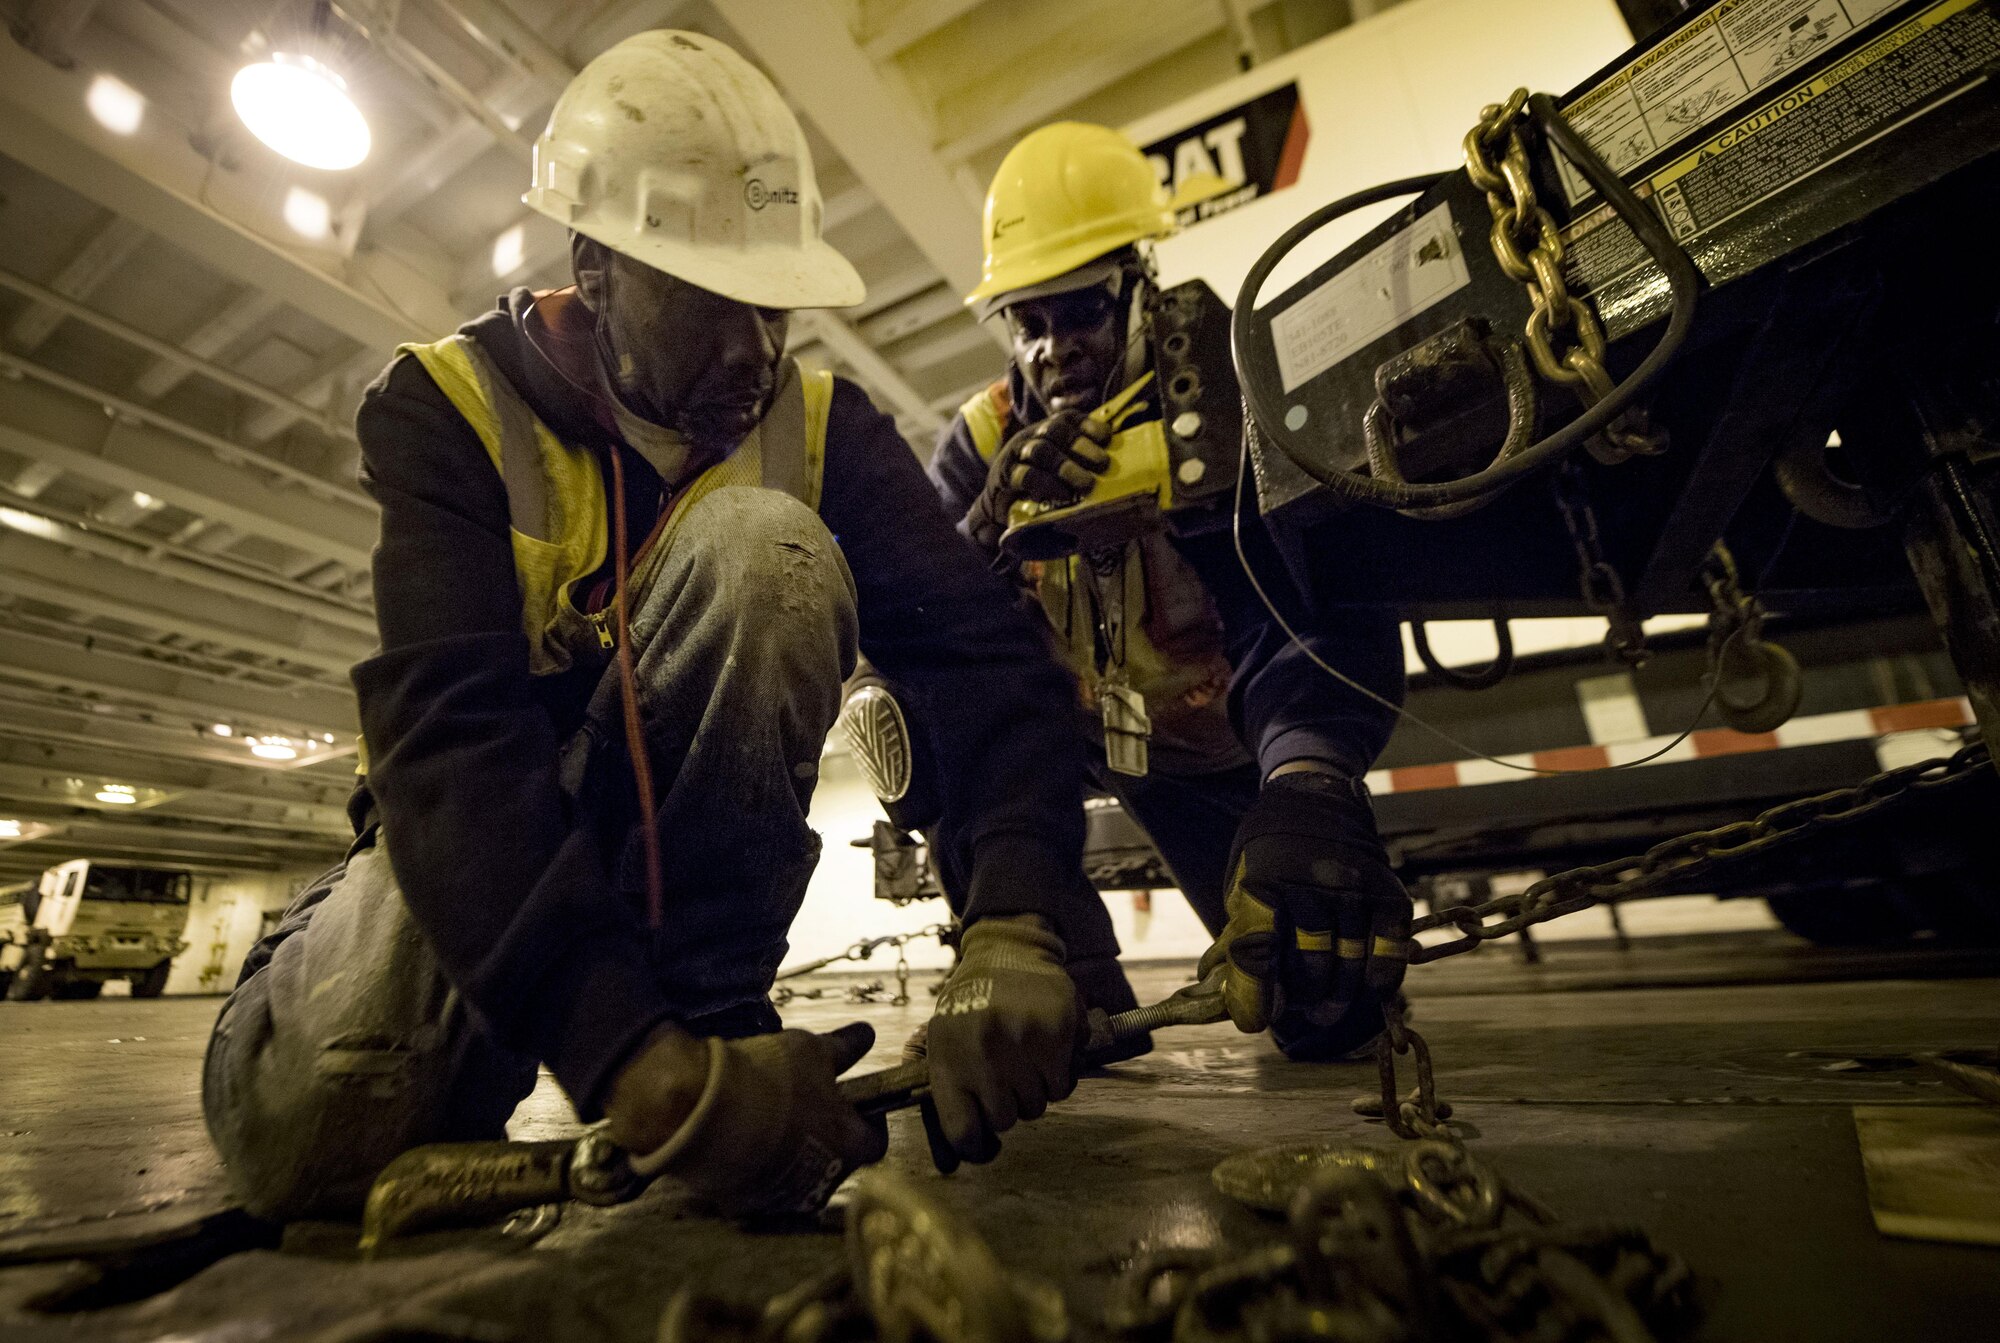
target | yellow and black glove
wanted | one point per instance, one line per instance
(768, 1132)
(1004, 1039)
(1053, 462)
(1319, 927)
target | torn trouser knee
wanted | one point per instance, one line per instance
(347, 1047)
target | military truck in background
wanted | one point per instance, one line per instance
(86, 923)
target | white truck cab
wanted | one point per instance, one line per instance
(87, 923)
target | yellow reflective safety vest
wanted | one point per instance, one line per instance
(1174, 650)
(557, 501)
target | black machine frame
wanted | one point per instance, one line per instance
(1842, 218)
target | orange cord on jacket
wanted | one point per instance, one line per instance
(635, 737)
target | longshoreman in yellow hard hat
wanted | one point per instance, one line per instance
(1100, 471)
(614, 621)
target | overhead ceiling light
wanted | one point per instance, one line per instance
(308, 213)
(34, 524)
(510, 249)
(118, 106)
(273, 748)
(223, 730)
(301, 108)
(118, 795)
(10, 829)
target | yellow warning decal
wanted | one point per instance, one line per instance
(1680, 39)
(1584, 105)
(1799, 96)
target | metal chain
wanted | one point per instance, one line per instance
(1545, 1284)
(866, 948)
(912, 1269)
(1382, 1248)
(861, 951)
(1693, 857)
(1563, 334)
(1602, 588)
(1735, 615)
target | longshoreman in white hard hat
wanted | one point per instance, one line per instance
(615, 620)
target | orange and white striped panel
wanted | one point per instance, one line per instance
(1886, 724)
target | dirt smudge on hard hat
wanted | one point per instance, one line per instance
(631, 110)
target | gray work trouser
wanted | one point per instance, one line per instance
(344, 1042)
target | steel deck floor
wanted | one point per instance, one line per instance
(1695, 1086)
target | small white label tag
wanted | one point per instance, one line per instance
(1371, 298)
(1126, 728)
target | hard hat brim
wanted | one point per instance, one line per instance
(813, 276)
(1088, 275)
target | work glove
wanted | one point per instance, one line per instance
(768, 1132)
(1319, 927)
(1054, 462)
(1004, 1038)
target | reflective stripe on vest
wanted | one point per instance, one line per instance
(557, 508)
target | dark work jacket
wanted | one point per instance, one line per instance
(514, 890)
(1283, 707)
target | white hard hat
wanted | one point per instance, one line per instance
(672, 149)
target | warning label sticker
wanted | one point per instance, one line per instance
(1405, 275)
(1718, 60)
(1796, 133)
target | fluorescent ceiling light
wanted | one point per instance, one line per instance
(118, 106)
(223, 730)
(273, 748)
(300, 108)
(308, 213)
(34, 524)
(10, 829)
(509, 251)
(118, 795)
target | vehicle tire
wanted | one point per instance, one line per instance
(1962, 907)
(154, 982)
(76, 990)
(31, 981)
(1843, 916)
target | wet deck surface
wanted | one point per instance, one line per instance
(1701, 1087)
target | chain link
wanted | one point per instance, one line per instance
(1691, 858)
(1546, 1283)
(1405, 1248)
(1563, 335)
(1599, 581)
(913, 1270)
(861, 951)
(1735, 615)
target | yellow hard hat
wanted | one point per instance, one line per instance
(1064, 196)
